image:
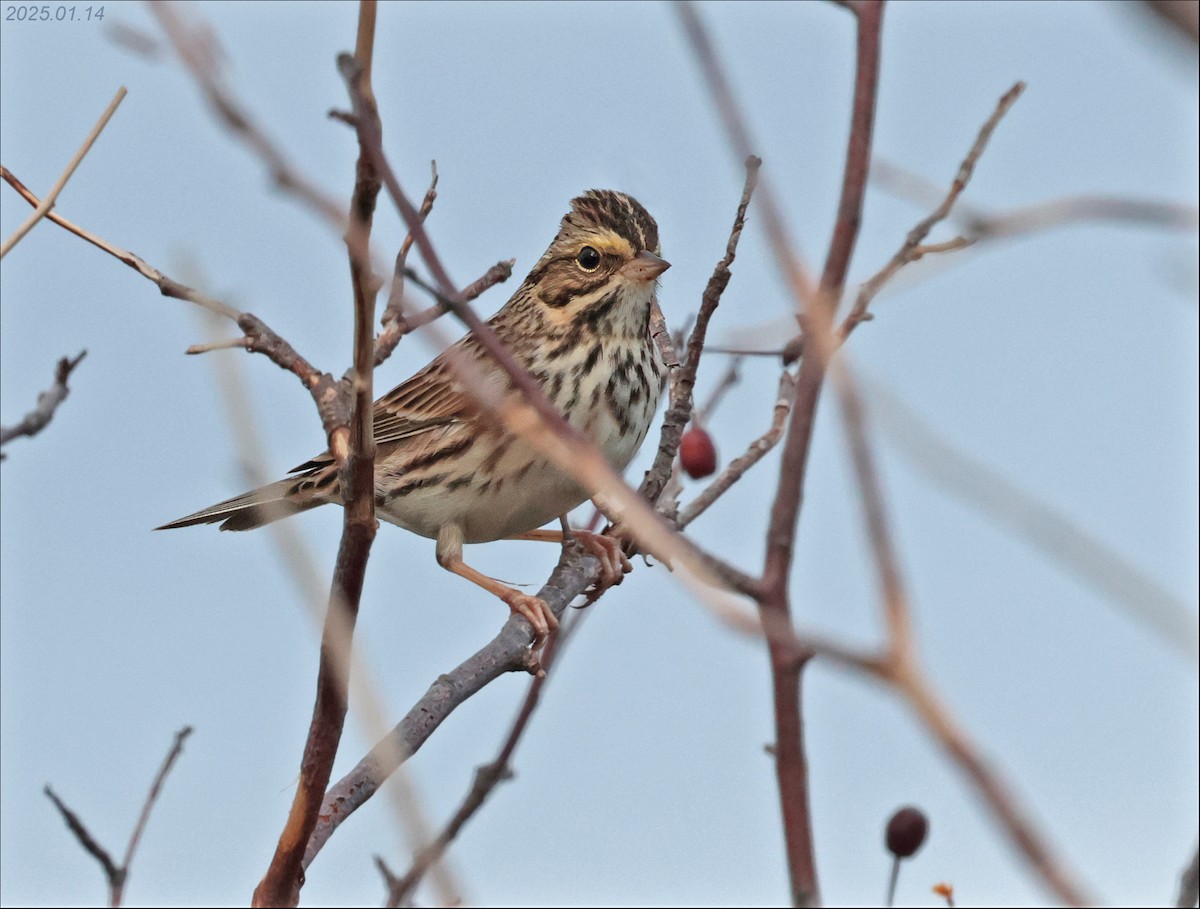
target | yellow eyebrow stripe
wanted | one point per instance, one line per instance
(607, 241)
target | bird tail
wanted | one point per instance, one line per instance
(255, 508)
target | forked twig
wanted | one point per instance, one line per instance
(118, 875)
(912, 249)
(51, 197)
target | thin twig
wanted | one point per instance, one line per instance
(912, 248)
(118, 875)
(112, 872)
(737, 468)
(47, 403)
(979, 224)
(51, 197)
(332, 406)
(729, 378)
(395, 326)
(683, 380)
(497, 274)
(152, 796)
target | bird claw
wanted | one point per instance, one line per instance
(536, 612)
(614, 564)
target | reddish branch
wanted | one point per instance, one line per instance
(118, 875)
(790, 762)
(47, 402)
(281, 884)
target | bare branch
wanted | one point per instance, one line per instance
(259, 337)
(395, 326)
(790, 761)
(487, 777)
(118, 875)
(284, 877)
(47, 402)
(507, 652)
(51, 197)
(911, 250)
(683, 381)
(114, 875)
(152, 796)
(737, 468)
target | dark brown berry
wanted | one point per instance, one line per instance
(906, 831)
(697, 453)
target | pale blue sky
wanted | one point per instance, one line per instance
(1065, 361)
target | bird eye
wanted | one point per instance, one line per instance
(588, 259)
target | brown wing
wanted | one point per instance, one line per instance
(421, 410)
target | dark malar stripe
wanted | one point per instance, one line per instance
(598, 311)
(574, 290)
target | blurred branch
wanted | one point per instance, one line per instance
(795, 272)
(1189, 883)
(118, 875)
(47, 402)
(1181, 15)
(51, 197)
(200, 52)
(1042, 526)
(978, 224)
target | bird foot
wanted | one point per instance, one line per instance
(535, 611)
(614, 564)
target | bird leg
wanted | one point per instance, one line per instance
(533, 609)
(613, 561)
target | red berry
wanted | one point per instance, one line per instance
(906, 831)
(697, 453)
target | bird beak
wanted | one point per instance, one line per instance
(645, 266)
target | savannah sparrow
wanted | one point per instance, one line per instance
(579, 323)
